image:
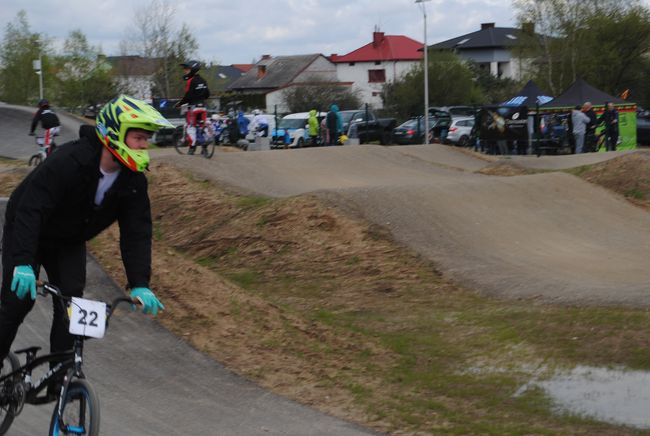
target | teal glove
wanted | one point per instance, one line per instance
(149, 301)
(24, 281)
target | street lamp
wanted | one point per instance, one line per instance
(426, 72)
(38, 67)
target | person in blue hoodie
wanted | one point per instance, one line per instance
(334, 124)
(242, 122)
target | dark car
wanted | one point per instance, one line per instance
(643, 128)
(412, 131)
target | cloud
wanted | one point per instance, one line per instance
(235, 32)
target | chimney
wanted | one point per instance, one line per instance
(487, 26)
(528, 28)
(261, 71)
(266, 57)
(333, 56)
(377, 38)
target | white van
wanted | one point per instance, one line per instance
(297, 125)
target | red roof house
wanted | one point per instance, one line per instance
(384, 48)
(383, 60)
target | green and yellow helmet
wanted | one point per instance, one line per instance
(117, 117)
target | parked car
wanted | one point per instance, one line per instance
(440, 127)
(367, 125)
(460, 130)
(458, 111)
(297, 125)
(410, 132)
(643, 128)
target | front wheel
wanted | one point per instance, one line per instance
(35, 160)
(181, 145)
(79, 412)
(208, 151)
(8, 400)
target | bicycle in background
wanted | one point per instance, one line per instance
(196, 133)
(77, 405)
(46, 146)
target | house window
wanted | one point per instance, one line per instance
(376, 76)
(376, 94)
(351, 64)
(377, 62)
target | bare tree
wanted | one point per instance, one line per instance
(160, 39)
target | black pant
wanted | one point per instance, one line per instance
(611, 140)
(65, 266)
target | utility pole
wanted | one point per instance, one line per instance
(426, 72)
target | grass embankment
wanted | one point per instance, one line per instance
(321, 306)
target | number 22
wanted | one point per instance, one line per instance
(84, 314)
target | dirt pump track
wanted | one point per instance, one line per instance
(549, 236)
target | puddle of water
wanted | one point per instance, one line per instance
(610, 395)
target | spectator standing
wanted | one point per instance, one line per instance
(590, 134)
(610, 119)
(333, 124)
(242, 124)
(579, 121)
(313, 127)
(324, 133)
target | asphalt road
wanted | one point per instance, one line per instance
(149, 381)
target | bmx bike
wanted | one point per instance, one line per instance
(183, 143)
(77, 405)
(37, 158)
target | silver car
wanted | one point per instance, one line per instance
(459, 131)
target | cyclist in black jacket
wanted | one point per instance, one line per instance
(196, 92)
(49, 122)
(71, 197)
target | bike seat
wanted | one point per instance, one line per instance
(28, 350)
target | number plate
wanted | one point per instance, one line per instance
(87, 318)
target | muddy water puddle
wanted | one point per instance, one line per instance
(612, 395)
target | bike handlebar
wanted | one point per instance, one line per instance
(48, 288)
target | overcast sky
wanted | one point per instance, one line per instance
(231, 31)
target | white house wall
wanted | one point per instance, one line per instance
(136, 86)
(276, 98)
(358, 74)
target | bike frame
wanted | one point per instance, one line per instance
(69, 363)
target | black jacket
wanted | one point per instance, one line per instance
(54, 204)
(196, 91)
(47, 118)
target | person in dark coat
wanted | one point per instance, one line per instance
(334, 125)
(70, 198)
(610, 119)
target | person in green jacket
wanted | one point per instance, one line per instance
(313, 127)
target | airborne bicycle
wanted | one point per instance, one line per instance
(76, 410)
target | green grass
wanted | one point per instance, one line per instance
(450, 360)
(252, 201)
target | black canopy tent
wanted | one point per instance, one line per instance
(580, 92)
(530, 95)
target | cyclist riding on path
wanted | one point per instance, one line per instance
(49, 122)
(71, 197)
(196, 92)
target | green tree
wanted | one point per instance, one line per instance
(318, 93)
(451, 82)
(606, 42)
(20, 47)
(82, 73)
